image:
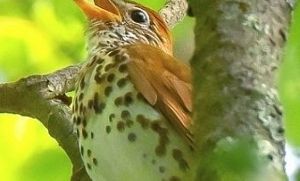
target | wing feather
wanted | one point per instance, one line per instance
(142, 84)
(164, 82)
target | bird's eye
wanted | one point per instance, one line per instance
(139, 16)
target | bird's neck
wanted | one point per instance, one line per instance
(104, 37)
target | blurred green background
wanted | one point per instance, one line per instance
(40, 36)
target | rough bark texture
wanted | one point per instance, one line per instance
(239, 44)
(42, 97)
(174, 11)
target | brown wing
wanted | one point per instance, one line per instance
(164, 82)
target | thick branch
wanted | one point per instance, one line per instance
(174, 11)
(239, 44)
(40, 97)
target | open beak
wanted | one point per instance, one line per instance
(104, 10)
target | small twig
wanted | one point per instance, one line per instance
(174, 11)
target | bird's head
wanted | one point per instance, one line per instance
(115, 23)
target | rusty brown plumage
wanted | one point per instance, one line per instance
(134, 100)
(164, 82)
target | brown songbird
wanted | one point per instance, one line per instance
(133, 102)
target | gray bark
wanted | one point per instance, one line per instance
(239, 45)
(174, 11)
(42, 97)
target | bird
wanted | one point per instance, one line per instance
(133, 100)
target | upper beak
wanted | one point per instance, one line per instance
(104, 10)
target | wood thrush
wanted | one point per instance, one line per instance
(133, 100)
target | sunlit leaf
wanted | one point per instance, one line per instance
(290, 83)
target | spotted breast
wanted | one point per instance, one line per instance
(132, 104)
(122, 136)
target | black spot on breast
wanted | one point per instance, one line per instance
(121, 126)
(160, 150)
(122, 82)
(110, 77)
(82, 83)
(131, 137)
(95, 161)
(100, 60)
(144, 122)
(98, 70)
(98, 107)
(120, 58)
(92, 135)
(77, 120)
(129, 123)
(77, 133)
(89, 166)
(125, 114)
(108, 129)
(99, 79)
(81, 108)
(114, 52)
(111, 117)
(84, 133)
(90, 104)
(153, 162)
(80, 97)
(118, 101)
(162, 169)
(92, 61)
(123, 68)
(89, 153)
(115, 43)
(76, 105)
(128, 99)
(81, 150)
(108, 67)
(108, 91)
(84, 122)
(96, 98)
(178, 156)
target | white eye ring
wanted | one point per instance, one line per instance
(139, 16)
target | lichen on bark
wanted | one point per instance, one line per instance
(239, 44)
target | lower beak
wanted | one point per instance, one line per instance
(104, 10)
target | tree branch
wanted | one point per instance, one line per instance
(239, 48)
(40, 96)
(174, 11)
